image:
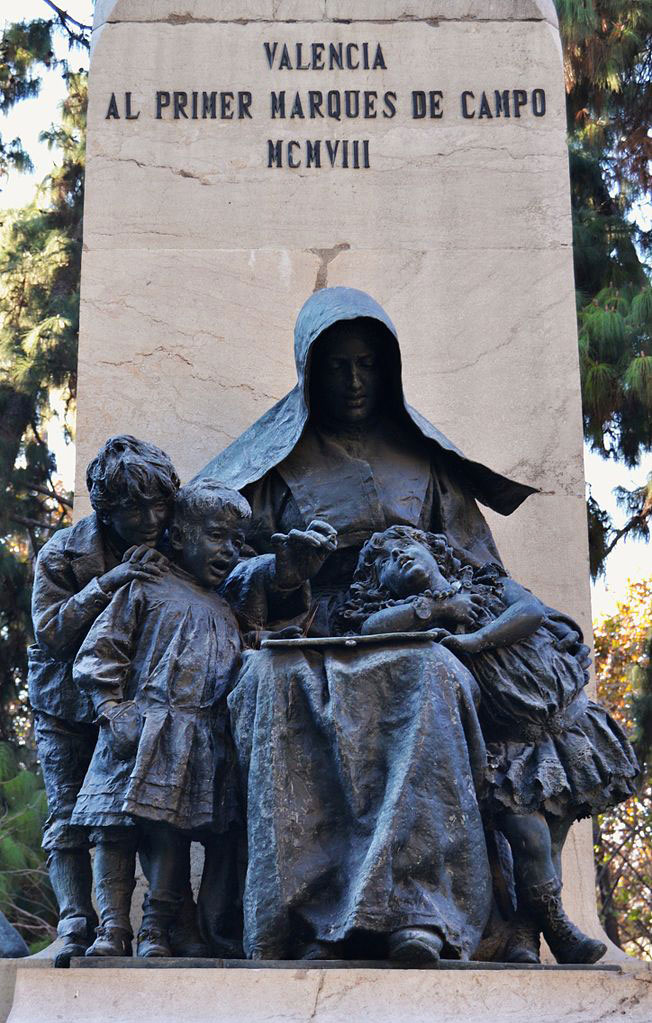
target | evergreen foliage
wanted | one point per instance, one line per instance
(40, 261)
(24, 48)
(25, 894)
(608, 64)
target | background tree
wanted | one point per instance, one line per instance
(24, 49)
(26, 897)
(40, 258)
(608, 66)
(623, 837)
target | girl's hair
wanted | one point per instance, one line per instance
(366, 593)
(127, 469)
(203, 497)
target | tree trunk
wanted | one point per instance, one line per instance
(16, 411)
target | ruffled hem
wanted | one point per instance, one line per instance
(87, 817)
(198, 820)
(588, 768)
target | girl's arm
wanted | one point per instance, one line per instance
(409, 617)
(523, 616)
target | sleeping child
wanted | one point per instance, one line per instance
(554, 755)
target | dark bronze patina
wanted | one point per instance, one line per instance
(312, 660)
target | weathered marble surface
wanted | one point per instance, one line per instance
(207, 11)
(197, 257)
(331, 996)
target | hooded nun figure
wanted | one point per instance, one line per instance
(362, 767)
(344, 446)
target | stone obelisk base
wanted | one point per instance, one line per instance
(166, 992)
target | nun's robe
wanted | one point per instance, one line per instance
(361, 767)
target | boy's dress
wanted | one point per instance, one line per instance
(173, 647)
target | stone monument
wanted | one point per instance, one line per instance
(202, 239)
(245, 154)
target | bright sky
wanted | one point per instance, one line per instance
(629, 560)
(29, 117)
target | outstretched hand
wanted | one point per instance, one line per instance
(301, 553)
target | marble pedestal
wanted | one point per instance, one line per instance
(343, 993)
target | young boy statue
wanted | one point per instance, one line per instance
(158, 664)
(131, 486)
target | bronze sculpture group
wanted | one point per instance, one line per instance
(311, 660)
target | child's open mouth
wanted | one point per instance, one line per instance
(218, 569)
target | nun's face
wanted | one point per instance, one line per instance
(347, 379)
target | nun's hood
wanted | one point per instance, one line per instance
(275, 435)
(321, 311)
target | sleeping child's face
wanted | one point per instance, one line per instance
(211, 548)
(406, 567)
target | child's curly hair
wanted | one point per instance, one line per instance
(367, 595)
(128, 469)
(204, 497)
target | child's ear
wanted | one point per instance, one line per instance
(175, 536)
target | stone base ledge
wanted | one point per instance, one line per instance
(166, 992)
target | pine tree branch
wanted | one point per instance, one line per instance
(66, 20)
(23, 918)
(635, 522)
(23, 521)
(48, 493)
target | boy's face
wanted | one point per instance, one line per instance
(407, 567)
(211, 550)
(141, 522)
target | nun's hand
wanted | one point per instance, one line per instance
(302, 552)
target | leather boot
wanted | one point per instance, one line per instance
(567, 942)
(153, 936)
(71, 880)
(523, 945)
(111, 941)
(185, 937)
(115, 867)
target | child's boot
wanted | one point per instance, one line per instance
(523, 945)
(70, 876)
(114, 885)
(154, 934)
(112, 941)
(567, 942)
(184, 933)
